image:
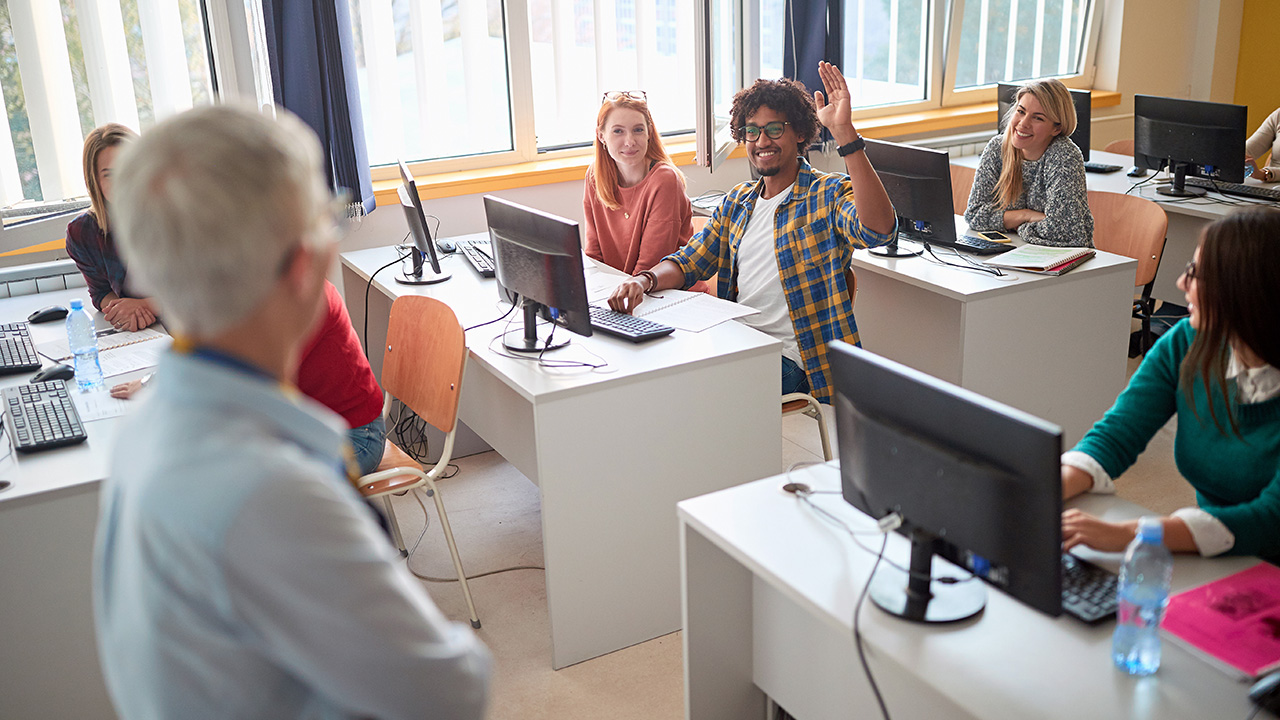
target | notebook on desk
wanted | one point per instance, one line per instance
(1043, 259)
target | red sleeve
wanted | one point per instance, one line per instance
(589, 202)
(334, 371)
(669, 221)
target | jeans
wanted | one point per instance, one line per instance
(794, 379)
(367, 442)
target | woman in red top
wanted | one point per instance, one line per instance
(635, 206)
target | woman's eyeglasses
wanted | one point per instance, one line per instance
(1190, 270)
(774, 130)
(613, 95)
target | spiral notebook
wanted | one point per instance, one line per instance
(1042, 259)
(108, 339)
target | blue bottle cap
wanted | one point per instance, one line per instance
(1151, 530)
(77, 304)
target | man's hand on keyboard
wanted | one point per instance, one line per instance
(628, 294)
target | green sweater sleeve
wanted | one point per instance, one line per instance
(1255, 523)
(1143, 408)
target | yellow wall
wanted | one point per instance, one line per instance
(1257, 83)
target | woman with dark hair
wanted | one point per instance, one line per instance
(89, 241)
(1031, 178)
(1219, 371)
(634, 202)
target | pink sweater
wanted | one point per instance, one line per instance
(654, 220)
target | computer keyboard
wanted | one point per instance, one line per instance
(1250, 191)
(981, 246)
(1088, 591)
(17, 352)
(479, 254)
(41, 415)
(1098, 167)
(628, 327)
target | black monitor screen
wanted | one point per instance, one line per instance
(975, 481)
(1081, 99)
(918, 181)
(538, 256)
(1189, 137)
(417, 221)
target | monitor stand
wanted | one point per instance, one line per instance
(529, 340)
(921, 597)
(423, 273)
(1178, 188)
(893, 250)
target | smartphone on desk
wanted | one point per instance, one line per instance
(992, 235)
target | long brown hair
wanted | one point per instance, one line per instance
(604, 167)
(1237, 299)
(101, 138)
(1055, 99)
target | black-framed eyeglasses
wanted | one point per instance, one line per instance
(774, 130)
(613, 95)
(1190, 270)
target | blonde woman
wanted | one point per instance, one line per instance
(634, 203)
(89, 240)
(1031, 178)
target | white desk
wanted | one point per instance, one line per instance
(1053, 346)
(1187, 217)
(611, 452)
(47, 520)
(770, 589)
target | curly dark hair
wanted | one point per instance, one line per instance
(784, 95)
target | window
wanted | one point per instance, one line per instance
(68, 66)
(1009, 41)
(886, 51)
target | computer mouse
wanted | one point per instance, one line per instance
(1266, 692)
(49, 314)
(54, 372)
(445, 246)
(1136, 171)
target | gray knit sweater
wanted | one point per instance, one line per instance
(1053, 185)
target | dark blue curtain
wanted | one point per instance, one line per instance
(313, 73)
(813, 32)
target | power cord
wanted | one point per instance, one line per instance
(368, 285)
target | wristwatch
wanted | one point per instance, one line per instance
(851, 147)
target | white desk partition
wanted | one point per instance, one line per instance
(1187, 217)
(611, 450)
(770, 590)
(1055, 347)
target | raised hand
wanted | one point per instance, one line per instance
(833, 109)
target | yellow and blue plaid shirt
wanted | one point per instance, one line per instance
(815, 231)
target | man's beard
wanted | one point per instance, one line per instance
(768, 172)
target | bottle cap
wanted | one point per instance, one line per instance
(77, 304)
(1150, 529)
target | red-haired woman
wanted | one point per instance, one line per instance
(635, 206)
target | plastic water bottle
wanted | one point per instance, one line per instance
(1143, 594)
(1249, 168)
(84, 345)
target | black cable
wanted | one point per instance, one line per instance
(857, 629)
(970, 265)
(1252, 715)
(500, 318)
(367, 286)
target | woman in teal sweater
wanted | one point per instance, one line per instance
(1219, 370)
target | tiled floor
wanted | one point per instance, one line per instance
(495, 516)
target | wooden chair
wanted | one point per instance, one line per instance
(1134, 227)
(422, 367)
(1120, 147)
(961, 184)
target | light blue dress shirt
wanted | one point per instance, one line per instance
(237, 575)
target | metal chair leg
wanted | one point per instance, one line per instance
(395, 526)
(457, 560)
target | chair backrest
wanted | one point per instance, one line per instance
(425, 356)
(961, 183)
(1120, 147)
(1131, 226)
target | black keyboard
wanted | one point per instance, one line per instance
(479, 254)
(41, 415)
(981, 246)
(1100, 167)
(628, 327)
(1088, 591)
(17, 352)
(1250, 191)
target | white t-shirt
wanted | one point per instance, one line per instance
(759, 282)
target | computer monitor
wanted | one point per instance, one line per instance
(1081, 99)
(538, 256)
(975, 482)
(1190, 137)
(918, 181)
(417, 220)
